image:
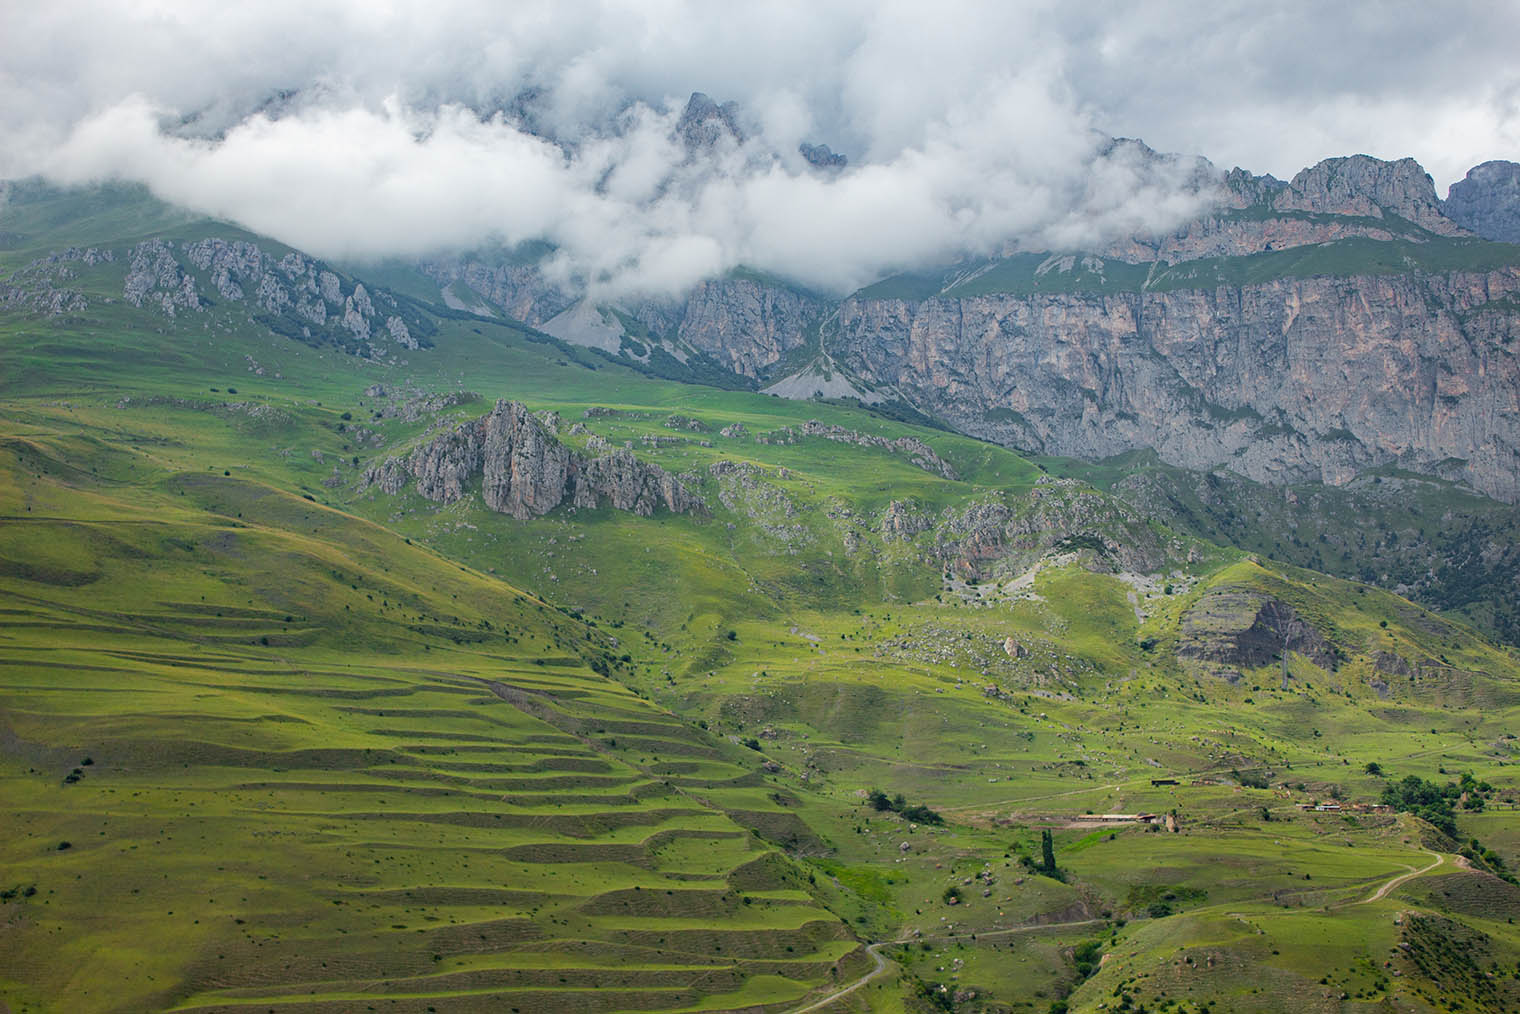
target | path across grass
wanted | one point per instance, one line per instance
(881, 963)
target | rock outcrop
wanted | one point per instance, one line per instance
(1338, 198)
(43, 286)
(746, 324)
(1244, 629)
(1001, 535)
(516, 288)
(1366, 187)
(292, 295)
(1487, 201)
(525, 471)
(918, 452)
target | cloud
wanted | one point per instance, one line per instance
(358, 130)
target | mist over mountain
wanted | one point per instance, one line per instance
(361, 133)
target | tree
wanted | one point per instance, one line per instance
(1047, 854)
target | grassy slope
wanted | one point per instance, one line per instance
(849, 668)
(323, 760)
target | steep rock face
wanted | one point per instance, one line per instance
(1292, 379)
(444, 466)
(1487, 202)
(747, 325)
(526, 472)
(634, 486)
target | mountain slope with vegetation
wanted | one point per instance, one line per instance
(279, 731)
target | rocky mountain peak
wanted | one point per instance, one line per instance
(1368, 187)
(704, 123)
(1246, 188)
(1487, 201)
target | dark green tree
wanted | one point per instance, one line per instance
(1047, 854)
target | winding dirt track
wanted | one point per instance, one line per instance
(1382, 892)
(881, 962)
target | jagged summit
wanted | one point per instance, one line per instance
(1361, 185)
(705, 123)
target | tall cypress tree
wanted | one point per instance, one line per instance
(1047, 854)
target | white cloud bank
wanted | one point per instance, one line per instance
(358, 130)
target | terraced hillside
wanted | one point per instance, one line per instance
(262, 752)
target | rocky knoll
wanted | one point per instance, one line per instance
(294, 295)
(289, 293)
(1001, 534)
(48, 284)
(1244, 629)
(526, 472)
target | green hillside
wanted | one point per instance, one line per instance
(275, 738)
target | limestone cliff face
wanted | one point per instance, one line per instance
(1292, 379)
(526, 472)
(518, 290)
(746, 324)
(1285, 379)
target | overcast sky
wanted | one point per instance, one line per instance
(358, 129)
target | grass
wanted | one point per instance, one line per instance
(350, 748)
